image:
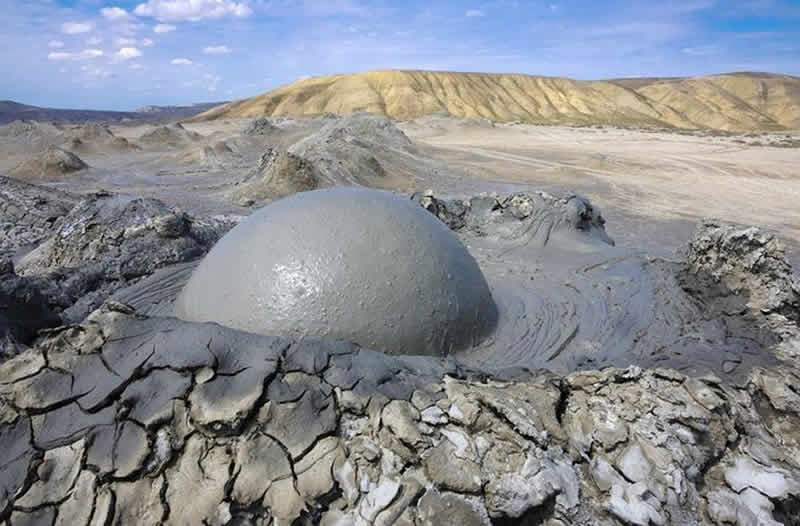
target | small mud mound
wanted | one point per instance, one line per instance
(349, 150)
(172, 135)
(95, 138)
(280, 173)
(261, 126)
(54, 162)
(92, 132)
(214, 154)
(26, 136)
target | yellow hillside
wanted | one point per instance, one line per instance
(735, 102)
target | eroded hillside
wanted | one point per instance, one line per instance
(732, 102)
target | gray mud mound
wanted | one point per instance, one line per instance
(347, 264)
(93, 138)
(105, 243)
(172, 136)
(28, 136)
(52, 163)
(218, 153)
(92, 132)
(349, 150)
(29, 213)
(280, 173)
(261, 127)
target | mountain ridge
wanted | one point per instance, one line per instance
(11, 111)
(739, 101)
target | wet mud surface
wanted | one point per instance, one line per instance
(618, 387)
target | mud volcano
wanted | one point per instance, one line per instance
(345, 264)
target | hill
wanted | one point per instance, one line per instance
(14, 111)
(731, 102)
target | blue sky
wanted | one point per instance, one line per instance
(129, 53)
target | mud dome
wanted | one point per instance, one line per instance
(346, 264)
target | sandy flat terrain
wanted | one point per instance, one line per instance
(652, 187)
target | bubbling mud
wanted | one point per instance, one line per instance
(542, 286)
(346, 264)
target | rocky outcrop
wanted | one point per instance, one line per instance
(23, 311)
(106, 242)
(260, 126)
(747, 262)
(29, 213)
(164, 422)
(530, 218)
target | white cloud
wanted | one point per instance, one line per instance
(124, 42)
(163, 28)
(181, 61)
(127, 53)
(217, 50)
(82, 55)
(192, 10)
(211, 82)
(95, 71)
(114, 13)
(146, 42)
(74, 28)
(93, 41)
(55, 44)
(700, 51)
(136, 66)
(474, 12)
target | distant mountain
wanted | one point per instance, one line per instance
(13, 111)
(191, 109)
(732, 102)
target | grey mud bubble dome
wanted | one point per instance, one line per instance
(345, 264)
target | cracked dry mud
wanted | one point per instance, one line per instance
(127, 418)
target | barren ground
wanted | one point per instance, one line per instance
(651, 186)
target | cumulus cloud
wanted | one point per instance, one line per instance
(136, 66)
(146, 42)
(473, 13)
(192, 10)
(93, 41)
(127, 53)
(55, 44)
(74, 28)
(181, 61)
(81, 55)
(217, 50)
(163, 28)
(114, 13)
